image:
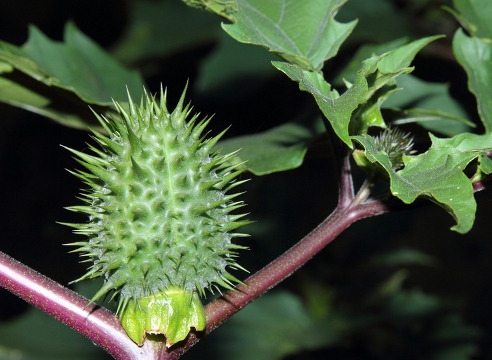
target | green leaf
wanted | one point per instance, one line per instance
(485, 164)
(402, 56)
(475, 16)
(78, 65)
(223, 8)
(349, 72)
(475, 55)
(388, 66)
(425, 99)
(434, 120)
(436, 174)
(304, 33)
(376, 74)
(16, 89)
(81, 66)
(337, 109)
(57, 80)
(278, 149)
(427, 102)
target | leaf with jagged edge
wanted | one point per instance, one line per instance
(427, 103)
(437, 174)
(78, 65)
(304, 33)
(36, 76)
(377, 73)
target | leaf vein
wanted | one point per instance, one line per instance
(272, 44)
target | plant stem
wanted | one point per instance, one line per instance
(103, 327)
(350, 208)
(96, 323)
(285, 265)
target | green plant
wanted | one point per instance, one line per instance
(411, 139)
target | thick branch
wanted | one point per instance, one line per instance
(96, 323)
(231, 302)
(281, 268)
(103, 327)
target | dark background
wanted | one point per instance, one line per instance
(34, 186)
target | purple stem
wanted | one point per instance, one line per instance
(345, 183)
(282, 267)
(350, 209)
(96, 323)
(103, 327)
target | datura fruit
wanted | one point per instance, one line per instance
(160, 216)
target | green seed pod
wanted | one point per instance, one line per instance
(160, 216)
(396, 144)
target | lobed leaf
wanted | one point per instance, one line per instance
(81, 66)
(304, 33)
(375, 80)
(36, 76)
(436, 174)
(416, 100)
(349, 72)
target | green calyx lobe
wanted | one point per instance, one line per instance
(171, 313)
(160, 213)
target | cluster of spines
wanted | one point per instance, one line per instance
(396, 143)
(158, 203)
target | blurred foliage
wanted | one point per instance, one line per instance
(400, 286)
(31, 336)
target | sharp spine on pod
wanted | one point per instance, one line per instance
(160, 218)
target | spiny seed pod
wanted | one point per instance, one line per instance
(396, 144)
(160, 216)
